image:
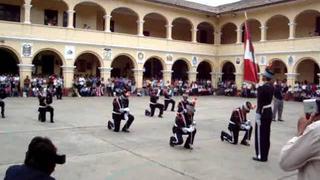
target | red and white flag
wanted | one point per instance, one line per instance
(250, 66)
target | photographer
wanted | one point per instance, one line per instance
(302, 152)
(40, 161)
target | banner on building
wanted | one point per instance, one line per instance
(107, 54)
(141, 57)
(70, 52)
(26, 49)
(169, 59)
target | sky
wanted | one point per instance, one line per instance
(213, 2)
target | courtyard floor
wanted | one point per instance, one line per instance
(94, 152)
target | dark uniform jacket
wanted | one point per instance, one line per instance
(42, 100)
(3, 94)
(154, 98)
(265, 95)
(117, 105)
(167, 94)
(183, 105)
(183, 120)
(23, 172)
(238, 117)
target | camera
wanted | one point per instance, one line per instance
(311, 106)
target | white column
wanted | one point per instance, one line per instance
(292, 30)
(24, 71)
(107, 19)
(167, 76)
(138, 76)
(263, 33)
(105, 72)
(217, 37)
(27, 14)
(140, 27)
(239, 36)
(239, 80)
(70, 18)
(68, 73)
(291, 78)
(192, 76)
(169, 31)
(194, 32)
(318, 78)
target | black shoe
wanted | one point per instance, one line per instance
(110, 125)
(221, 137)
(172, 139)
(257, 159)
(281, 120)
(125, 130)
(52, 121)
(188, 146)
(3, 116)
(273, 120)
(245, 143)
(172, 110)
(160, 116)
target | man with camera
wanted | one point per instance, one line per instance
(279, 91)
(238, 122)
(121, 111)
(264, 117)
(3, 95)
(40, 161)
(302, 152)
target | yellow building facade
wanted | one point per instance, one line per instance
(141, 39)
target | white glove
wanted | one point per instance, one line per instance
(126, 116)
(191, 129)
(126, 109)
(245, 126)
(194, 123)
(185, 130)
(121, 110)
(248, 123)
(185, 111)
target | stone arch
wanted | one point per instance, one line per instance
(53, 50)
(229, 33)
(278, 27)
(180, 68)
(91, 52)
(129, 25)
(307, 69)
(204, 70)
(122, 66)
(254, 27)
(279, 68)
(88, 63)
(228, 69)
(153, 68)
(14, 51)
(155, 25)
(96, 23)
(306, 23)
(47, 62)
(181, 29)
(9, 61)
(205, 33)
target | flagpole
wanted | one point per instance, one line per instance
(245, 14)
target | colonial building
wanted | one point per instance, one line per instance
(146, 38)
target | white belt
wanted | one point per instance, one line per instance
(232, 122)
(152, 103)
(167, 99)
(266, 106)
(116, 112)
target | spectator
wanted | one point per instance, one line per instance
(40, 161)
(302, 152)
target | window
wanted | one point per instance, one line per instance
(203, 36)
(112, 26)
(9, 13)
(51, 17)
(65, 19)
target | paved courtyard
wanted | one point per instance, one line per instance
(93, 152)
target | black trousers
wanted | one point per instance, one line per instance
(234, 136)
(117, 121)
(262, 135)
(179, 137)
(59, 93)
(153, 108)
(167, 102)
(2, 105)
(42, 113)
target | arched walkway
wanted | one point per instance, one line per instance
(204, 71)
(228, 70)
(278, 27)
(155, 25)
(153, 69)
(11, 10)
(47, 63)
(181, 29)
(307, 24)
(122, 67)
(229, 34)
(308, 71)
(180, 70)
(279, 69)
(89, 15)
(254, 27)
(205, 33)
(124, 20)
(8, 62)
(87, 64)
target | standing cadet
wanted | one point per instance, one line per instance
(184, 125)
(154, 97)
(279, 91)
(238, 122)
(120, 112)
(167, 93)
(3, 95)
(264, 118)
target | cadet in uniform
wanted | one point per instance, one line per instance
(167, 93)
(45, 101)
(154, 97)
(238, 122)
(184, 125)
(264, 117)
(3, 95)
(120, 112)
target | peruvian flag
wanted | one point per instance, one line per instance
(250, 66)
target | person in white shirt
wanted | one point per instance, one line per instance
(302, 152)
